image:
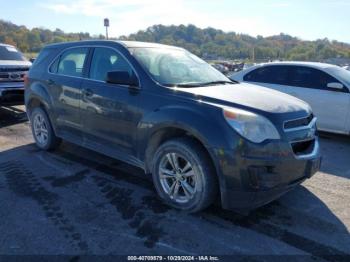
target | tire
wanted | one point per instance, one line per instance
(42, 130)
(188, 188)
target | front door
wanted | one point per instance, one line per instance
(109, 112)
(330, 106)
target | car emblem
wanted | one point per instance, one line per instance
(14, 76)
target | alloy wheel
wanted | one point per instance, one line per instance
(178, 178)
(40, 129)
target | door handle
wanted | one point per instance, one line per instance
(87, 92)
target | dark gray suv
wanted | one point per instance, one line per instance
(161, 108)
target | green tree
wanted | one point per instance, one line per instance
(208, 43)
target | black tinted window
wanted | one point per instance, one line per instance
(309, 77)
(106, 60)
(72, 62)
(268, 74)
(11, 53)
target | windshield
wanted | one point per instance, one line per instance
(341, 74)
(176, 67)
(11, 53)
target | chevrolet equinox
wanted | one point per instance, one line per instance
(165, 110)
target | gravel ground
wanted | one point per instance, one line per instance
(76, 202)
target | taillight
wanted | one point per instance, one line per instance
(25, 79)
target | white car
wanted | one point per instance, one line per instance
(325, 87)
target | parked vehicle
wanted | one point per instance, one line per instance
(325, 87)
(13, 67)
(223, 69)
(248, 65)
(170, 113)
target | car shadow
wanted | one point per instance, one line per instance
(296, 219)
(335, 150)
(11, 116)
(299, 219)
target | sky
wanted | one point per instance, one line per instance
(306, 19)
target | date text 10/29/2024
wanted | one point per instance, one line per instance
(173, 258)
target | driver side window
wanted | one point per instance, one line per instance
(106, 60)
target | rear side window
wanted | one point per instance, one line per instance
(309, 77)
(71, 62)
(268, 74)
(106, 60)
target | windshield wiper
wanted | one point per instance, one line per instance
(201, 84)
(218, 83)
(184, 85)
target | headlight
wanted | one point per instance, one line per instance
(254, 127)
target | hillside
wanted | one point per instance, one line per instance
(33, 40)
(209, 43)
(212, 43)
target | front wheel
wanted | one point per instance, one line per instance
(183, 175)
(42, 130)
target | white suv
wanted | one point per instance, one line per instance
(325, 87)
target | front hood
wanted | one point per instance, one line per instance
(251, 96)
(13, 63)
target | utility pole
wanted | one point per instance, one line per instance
(253, 54)
(106, 24)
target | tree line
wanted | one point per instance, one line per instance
(211, 43)
(208, 43)
(32, 41)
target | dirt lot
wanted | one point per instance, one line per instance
(74, 201)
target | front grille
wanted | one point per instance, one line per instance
(303, 147)
(4, 76)
(14, 69)
(12, 76)
(301, 122)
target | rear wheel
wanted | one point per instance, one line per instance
(183, 175)
(42, 130)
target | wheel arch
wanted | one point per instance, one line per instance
(35, 102)
(167, 133)
(37, 95)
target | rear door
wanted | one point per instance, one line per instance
(64, 81)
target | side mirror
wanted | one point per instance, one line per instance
(121, 78)
(32, 60)
(337, 86)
